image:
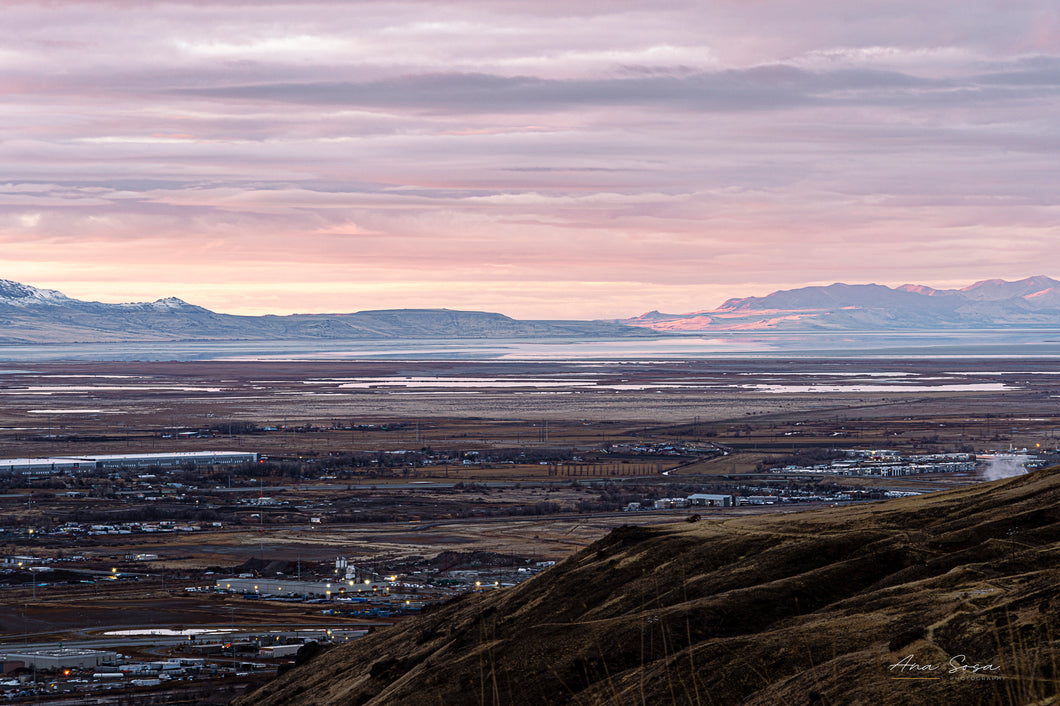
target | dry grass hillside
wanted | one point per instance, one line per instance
(812, 608)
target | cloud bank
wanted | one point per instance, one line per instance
(544, 160)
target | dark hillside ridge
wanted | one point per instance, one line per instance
(806, 608)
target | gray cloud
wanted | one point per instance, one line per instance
(761, 88)
(632, 142)
(767, 87)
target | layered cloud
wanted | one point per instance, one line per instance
(533, 158)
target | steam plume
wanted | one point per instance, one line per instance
(1005, 467)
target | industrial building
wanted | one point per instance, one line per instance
(671, 503)
(59, 658)
(888, 463)
(80, 464)
(282, 588)
(280, 650)
(175, 460)
(43, 466)
(704, 499)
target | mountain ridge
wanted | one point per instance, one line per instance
(993, 303)
(29, 315)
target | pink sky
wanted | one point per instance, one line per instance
(544, 160)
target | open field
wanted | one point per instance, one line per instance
(104, 407)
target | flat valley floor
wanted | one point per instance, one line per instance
(742, 412)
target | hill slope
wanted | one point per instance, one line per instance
(797, 609)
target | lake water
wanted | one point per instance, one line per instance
(950, 344)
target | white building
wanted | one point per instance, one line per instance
(670, 503)
(60, 658)
(79, 464)
(703, 499)
(279, 650)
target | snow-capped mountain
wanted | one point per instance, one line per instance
(18, 294)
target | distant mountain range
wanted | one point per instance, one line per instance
(31, 315)
(1033, 302)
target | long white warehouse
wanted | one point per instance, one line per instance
(79, 464)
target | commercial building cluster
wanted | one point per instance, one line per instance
(888, 463)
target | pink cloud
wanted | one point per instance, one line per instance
(539, 159)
